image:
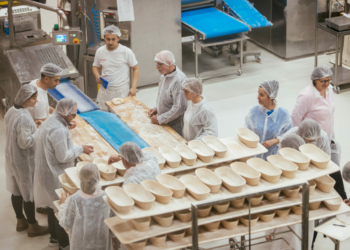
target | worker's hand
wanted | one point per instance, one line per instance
(132, 92)
(113, 159)
(269, 143)
(152, 112)
(347, 202)
(64, 197)
(87, 149)
(98, 80)
(154, 119)
(72, 124)
(187, 142)
(38, 123)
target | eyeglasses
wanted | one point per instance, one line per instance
(325, 81)
(159, 64)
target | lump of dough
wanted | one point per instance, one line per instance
(117, 101)
(103, 167)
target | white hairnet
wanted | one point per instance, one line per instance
(113, 30)
(147, 170)
(199, 121)
(51, 70)
(89, 176)
(193, 85)
(321, 72)
(292, 141)
(131, 152)
(66, 106)
(165, 57)
(346, 172)
(24, 93)
(271, 87)
(309, 129)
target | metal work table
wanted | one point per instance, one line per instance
(341, 75)
(334, 233)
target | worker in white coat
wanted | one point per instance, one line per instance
(113, 62)
(268, 120)
(54, 153)
(311, 132)
(50, 79)
(21, 136)
(199, 118)
(140, 165)
(84, 213)
(171, 104)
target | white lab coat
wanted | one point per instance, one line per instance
(21, 135)
(54, 153)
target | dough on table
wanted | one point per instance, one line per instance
(117, 101)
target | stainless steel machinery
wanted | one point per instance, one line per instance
(293, 32)
(27, 47)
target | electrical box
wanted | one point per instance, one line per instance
(72, 36)
(338, 5)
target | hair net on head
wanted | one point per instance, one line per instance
(113, 30)
(321, 72)
(66, 106)
(24, 93)
(165, 57)
(51, 70)
(271, 88)
(309, 129)
(131, 152)
(89, 176)
(193, 85)
(292, 141)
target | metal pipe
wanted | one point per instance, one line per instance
(35, 4)
(194, 212)
(12, 33)
(305, 217)
(50, 8)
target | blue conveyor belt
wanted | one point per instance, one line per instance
(212, 22)
(112, 129)
(67, 89)
(245, 11)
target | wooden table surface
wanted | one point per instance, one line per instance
(135, 114)
(85, 133)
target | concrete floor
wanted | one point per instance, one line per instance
(231, 98)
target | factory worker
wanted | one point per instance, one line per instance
(21, 135)
(171, 104)
(50, 79)
(113, 62)
(268, 120)
(54, 153)
(292, 141)
(311, 132)
(199, 118)
(84, 212)
(140, 165)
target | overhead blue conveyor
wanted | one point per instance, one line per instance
(211, 22)
(67, 89)
(246, 12)
(108, 125)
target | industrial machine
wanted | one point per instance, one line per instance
(27, 47)
(294, 36)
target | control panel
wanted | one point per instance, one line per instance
(73, 36)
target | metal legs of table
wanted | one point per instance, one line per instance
(196, 53)
(305, 217)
